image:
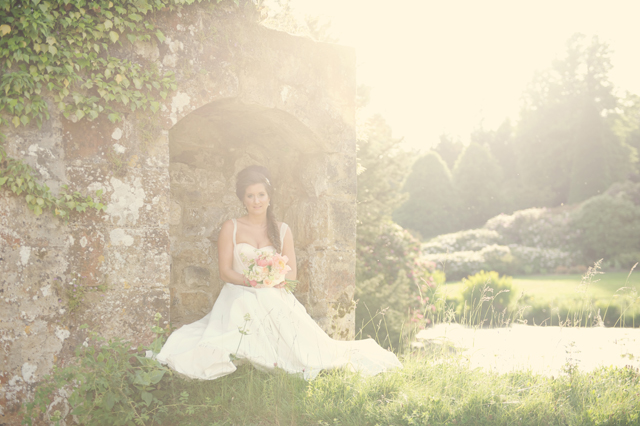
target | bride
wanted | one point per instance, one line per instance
(266, 326)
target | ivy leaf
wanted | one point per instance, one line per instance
(5, 29)
(118, 78)
(113, 36)
(146, 397)
(37, 210)
(53, 50)
(3, 180)
(108, 24)
(160, 36)
(15, 121)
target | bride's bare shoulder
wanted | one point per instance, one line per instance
(227, 227)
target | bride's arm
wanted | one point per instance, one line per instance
(225, 256)
(288, 250)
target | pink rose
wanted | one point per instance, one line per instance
(253, 283)
(261, 262)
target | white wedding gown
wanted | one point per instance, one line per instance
(267, 327)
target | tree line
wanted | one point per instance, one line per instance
(576, 135)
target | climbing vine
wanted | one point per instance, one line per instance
(62, 48)
(20, 178)
(63, 51)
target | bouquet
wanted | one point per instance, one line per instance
(268, 270)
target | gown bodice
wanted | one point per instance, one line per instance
(247, 252)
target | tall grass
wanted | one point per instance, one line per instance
(435, 387)
(428, 390)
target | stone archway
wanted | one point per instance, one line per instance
(207, 148)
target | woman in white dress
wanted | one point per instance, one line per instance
(266, 326)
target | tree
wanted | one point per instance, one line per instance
(386, 255)
(431, 208)
(449, 149)
(565, 143)
(627, 128)
(477, 177)
(383, 168)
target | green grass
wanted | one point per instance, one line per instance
(554, 299)
(551, 288)
(433, 390)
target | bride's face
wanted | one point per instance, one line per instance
(256, 199)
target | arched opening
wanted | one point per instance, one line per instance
(207, 148)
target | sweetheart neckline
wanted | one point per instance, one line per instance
(254, 247)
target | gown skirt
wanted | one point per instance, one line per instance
(267, 327)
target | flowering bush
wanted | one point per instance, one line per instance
(470, 240)
(534, 228)
(533, 260)
(513, 259)
(390, 275)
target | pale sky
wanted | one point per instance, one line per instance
(446, 66)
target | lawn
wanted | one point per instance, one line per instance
(553, 288)
(610, 299)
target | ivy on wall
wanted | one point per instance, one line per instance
(20, 179)
(61, 50)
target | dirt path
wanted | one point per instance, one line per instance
(543, 350)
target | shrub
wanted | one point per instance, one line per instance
(470, 240)
(389, 275)
(534, 227)
(458, 264)
(607, 226)
(485, 293)
(532, 260)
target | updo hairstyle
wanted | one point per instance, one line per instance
(258, 174)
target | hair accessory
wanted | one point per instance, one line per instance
(267, 180)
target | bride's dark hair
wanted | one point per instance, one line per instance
(258, 174)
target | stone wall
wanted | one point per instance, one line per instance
(245, 95)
